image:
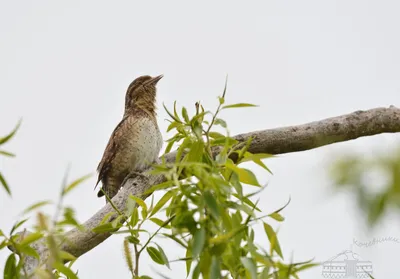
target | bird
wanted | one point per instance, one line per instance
(136, 141)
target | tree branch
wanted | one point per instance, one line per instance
(273, 141)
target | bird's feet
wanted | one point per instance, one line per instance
(134, 174)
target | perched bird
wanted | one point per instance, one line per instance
(136, 141)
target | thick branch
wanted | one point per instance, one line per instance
(272, 141)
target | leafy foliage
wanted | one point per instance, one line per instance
(375, 181)
(205, 208)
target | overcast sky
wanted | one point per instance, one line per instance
(65, 67)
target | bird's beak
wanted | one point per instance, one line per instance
(154, 80)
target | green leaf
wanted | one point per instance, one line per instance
(196, 272)
(10, 269)
(132, 239)
(221, 122)
(256, 158)
(29, 251)
(167, 196)
(155, 255)
(245, 175)
(65, 270)
(273, 239)
(4, 183)
(32, 237)
(35, 206)
(163, 256)
(188, 261)
(171, 115)
(226, 85)
(224, 141)
(160, 222)
(17, 225)
(196, 152)
(216, 135)
(134, 217)
(108, 227)
(250, 266)
(66, 256)
(198, 242)
(142, 204)
(5, 153)
(215, 272)
(276, 216)
(10, 135)
(173, 125)
(185, 115)
(75, 183)
(174, 238)
(239, 105)
(211, 204)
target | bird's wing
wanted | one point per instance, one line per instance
(110, 151)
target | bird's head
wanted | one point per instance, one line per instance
(141, 93)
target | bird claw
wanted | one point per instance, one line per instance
(134, 174)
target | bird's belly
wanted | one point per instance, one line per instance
(143, 146)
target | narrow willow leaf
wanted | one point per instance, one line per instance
(224, 141)
(185, 115)
(108, 227)
(107, 217)
(155, 255)
(29, 251)
(10, 269)
(35, 206)
(132, 239)
(198, 242)
(188, 261)
(276, 216)
(216, 135)
(66, 256)
(171, 115)
(8, 154)
(177, 240)
(134, 217)
(211, 204)
(75, 183)
(11, 134)
(139, 201)
(173, 125)
(169, 147)
(5, 185)
(215, 271)
(239, 105)
(160, 222)
(163, 256)
(162, 202)
(226, 85)
(196, 152)
(250, 266)
(221, 122)
(244, 175)
(32, 237)
(175, 112)
(17, 225)
(196, 272)
(65, 270)
(273, 239)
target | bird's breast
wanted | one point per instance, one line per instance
(142, 144)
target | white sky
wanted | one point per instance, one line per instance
(65, 66)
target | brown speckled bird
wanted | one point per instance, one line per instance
(136, 141)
